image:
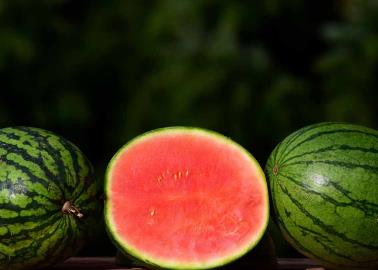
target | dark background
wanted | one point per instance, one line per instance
(101, 72)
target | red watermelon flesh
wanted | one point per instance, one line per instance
(185, 198)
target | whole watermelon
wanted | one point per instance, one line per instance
(324, 187)
(48, 198)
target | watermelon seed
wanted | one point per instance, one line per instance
(186, 173)
(152, 212)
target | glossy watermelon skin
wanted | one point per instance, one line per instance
(39, 172)
(324, 187)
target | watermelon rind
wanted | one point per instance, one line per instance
(154, 263)
(324, 187)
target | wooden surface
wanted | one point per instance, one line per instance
(101, 263)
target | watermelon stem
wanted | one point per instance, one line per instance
(69, 208)
(275, 169)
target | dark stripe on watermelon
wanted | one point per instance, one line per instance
(297, 134)
(18, 219)
(328, 132)
(275, 152)
(83, 185)
(33, 205)
(73, 153)
(345, 165)
(12, 136)
(67, 237)
(44, 237)
(290, 236)
(317, 235)
(26, 171)
(57, 157)
(331, 148)
(35, 233)
(369, 208)
(27, 157)
(325, 227)
(23, 234)
(283, 226)
(19, 182)
(75, 190)
(303, 249)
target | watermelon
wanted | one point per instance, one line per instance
(324, 186)
(185, 198)
(47, 198)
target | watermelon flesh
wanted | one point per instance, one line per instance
(185, 198)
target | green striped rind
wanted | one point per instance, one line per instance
(324, 187)
(39, 171)
(152, 263)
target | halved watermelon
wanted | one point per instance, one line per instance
(185, 198)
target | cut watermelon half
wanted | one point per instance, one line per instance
(185, 198)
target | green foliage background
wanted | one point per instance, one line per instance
(102, 72)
